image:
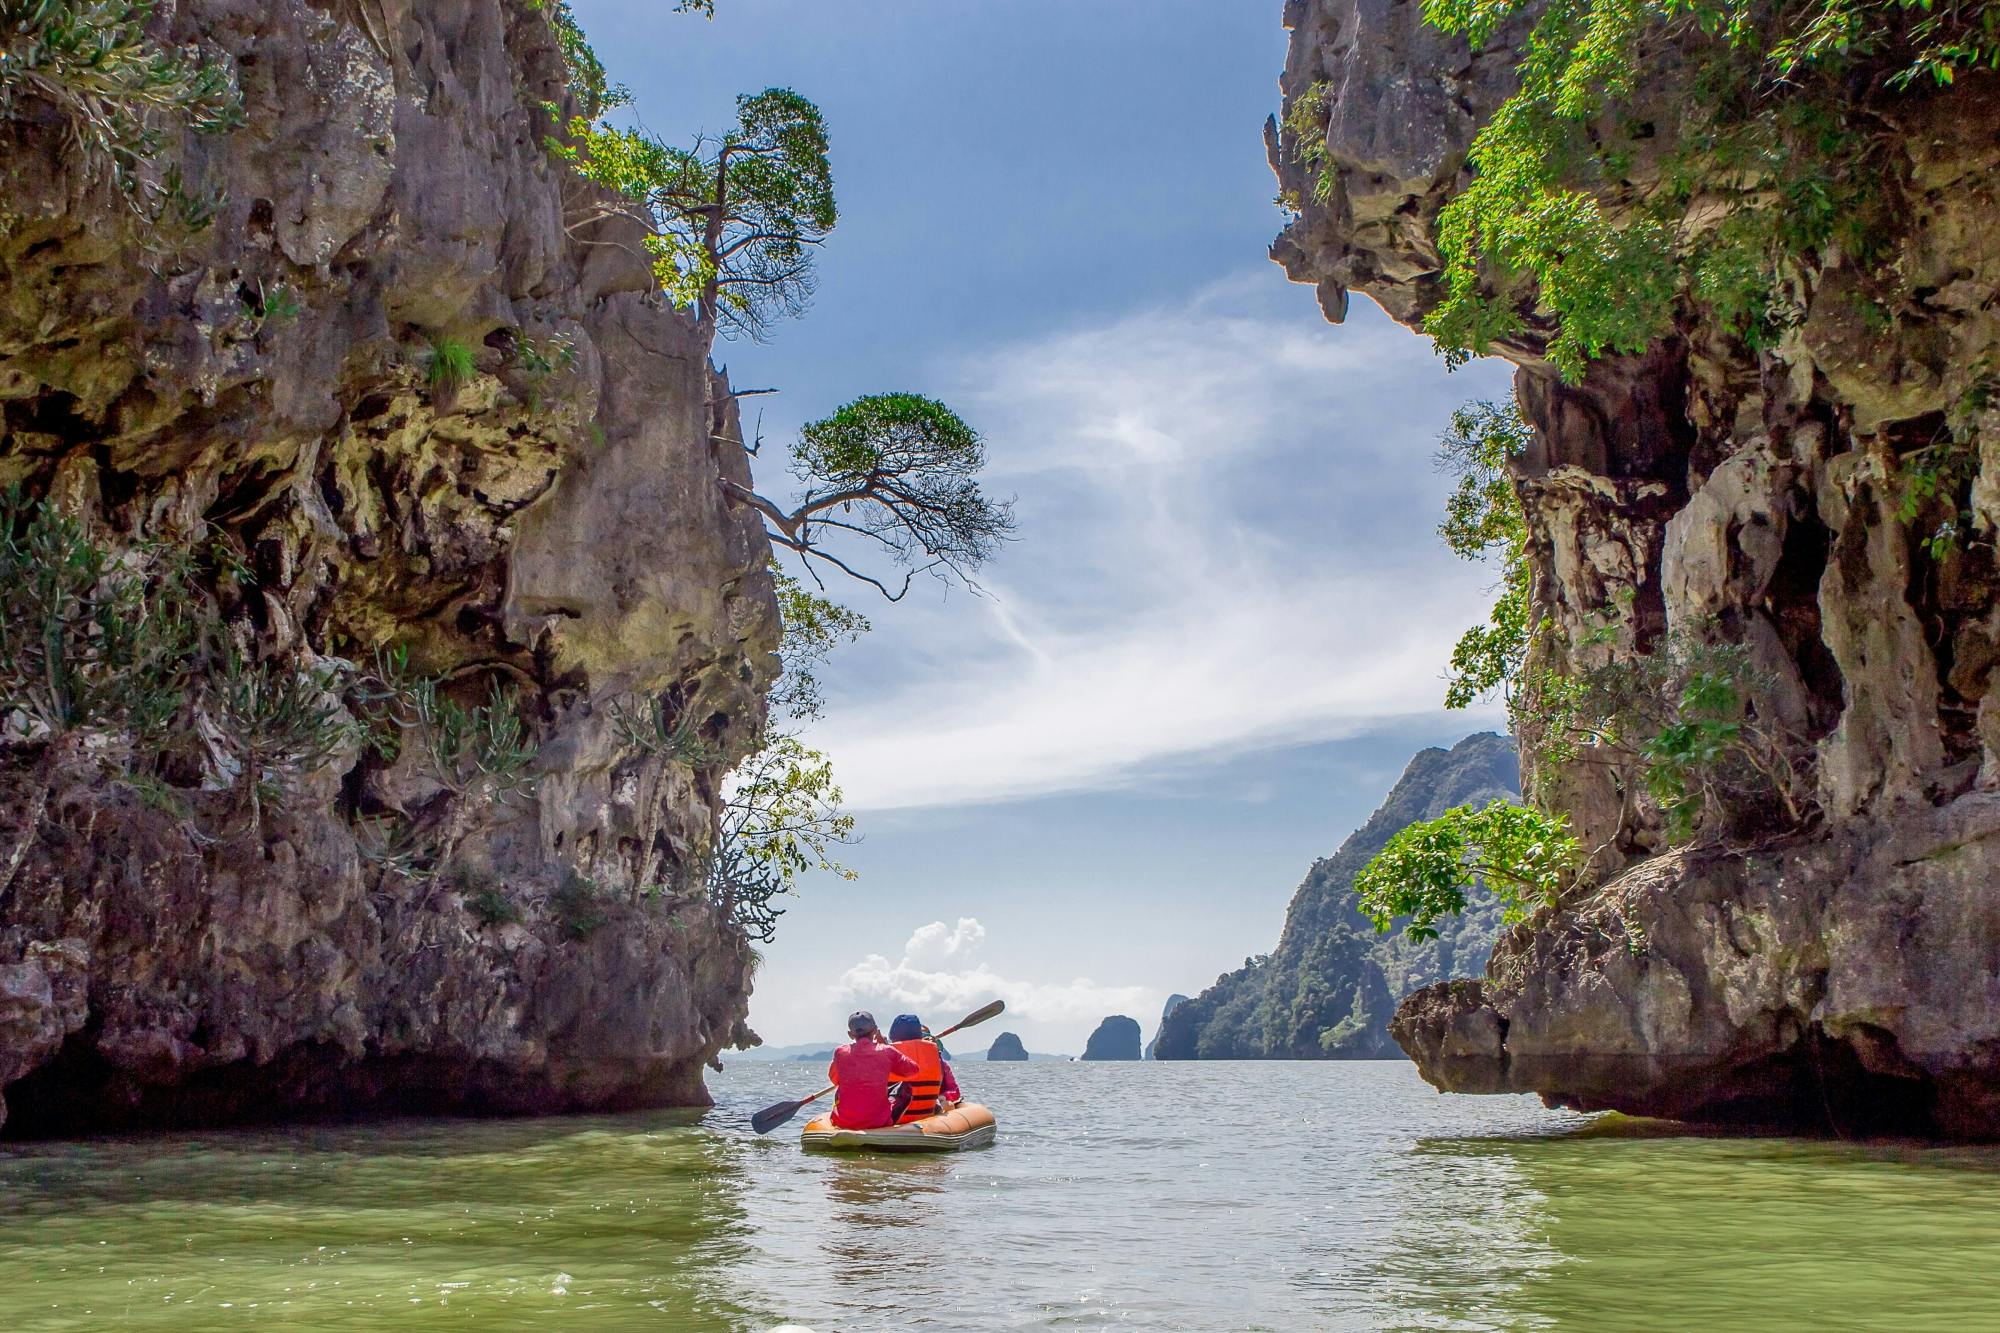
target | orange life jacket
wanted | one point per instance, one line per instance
(929, 1080)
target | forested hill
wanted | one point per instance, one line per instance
(1330, 987)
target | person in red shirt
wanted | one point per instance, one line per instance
(861, 1073)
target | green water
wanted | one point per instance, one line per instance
(1213, 1196)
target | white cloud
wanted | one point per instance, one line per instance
(938, 978)
(1227, 543)
(937, 944)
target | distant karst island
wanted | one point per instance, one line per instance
(1007, 1046)
(1116, 1038)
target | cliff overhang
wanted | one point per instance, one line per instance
(542, 522)
(1837, 973)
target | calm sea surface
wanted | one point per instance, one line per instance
(1178, 1196)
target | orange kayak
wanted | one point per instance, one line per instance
(966, 1125)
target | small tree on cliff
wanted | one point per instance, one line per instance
(896, 473)
(733, 221)
(1523, 857)
(781, 812)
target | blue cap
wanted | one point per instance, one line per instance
(905, 1028)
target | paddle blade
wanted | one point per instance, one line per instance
(975, 1017)
(771, 1117)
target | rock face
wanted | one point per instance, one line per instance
(552, 525)
(1007, 1046)
(1174, 1002)
(1842, 973)
(1116, 1038)
(1327, 991)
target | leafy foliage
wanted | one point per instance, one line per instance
(589, 83)
(655, 725)
(476, 754)
(490, 906)
(898, 472)
(87, 639)
(540, 358)
(1483, 519)
(781, 817)
(127, 645)
(449, 364)
(484, 897)
(278, 724)
(1305, 129)
(1937, 479)
(277, 307)
(1770, 163)
(577, 906)
(784, 809)
(1522, 856)
(734, 221)
(118, 92)
(1685, 713)
(484, 750)
(814, 627)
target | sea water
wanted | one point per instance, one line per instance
(1147, 1196)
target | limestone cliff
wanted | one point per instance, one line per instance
(548, 524)
(1174, 1001)
(1838, 971)
(1327, 991)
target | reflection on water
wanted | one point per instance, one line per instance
(1711, 1232)
(408, 1224)
(1470, 1239)
(1136, 1196)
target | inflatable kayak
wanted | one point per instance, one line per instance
(966, 1125)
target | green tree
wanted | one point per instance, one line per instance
(1685, 715)
(733, 221)
(782, 809)
(895, 473)
(814, 627)
(1523, 857)
(118, 93)
(782, 815)
(1773, 158)
(1484, 521)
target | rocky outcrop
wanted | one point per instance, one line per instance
(1174, 1002)
(1848, 983)
(1007, 1046)
(551, 524)
(1832, 974)
(1328, 990)
(1116, 1038)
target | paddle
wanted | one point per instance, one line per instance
(771, 1117)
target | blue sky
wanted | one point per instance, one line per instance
(1222, 631)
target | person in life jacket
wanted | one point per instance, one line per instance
(933, 1088)
(861, 1073)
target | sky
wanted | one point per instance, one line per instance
(1222, 630)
